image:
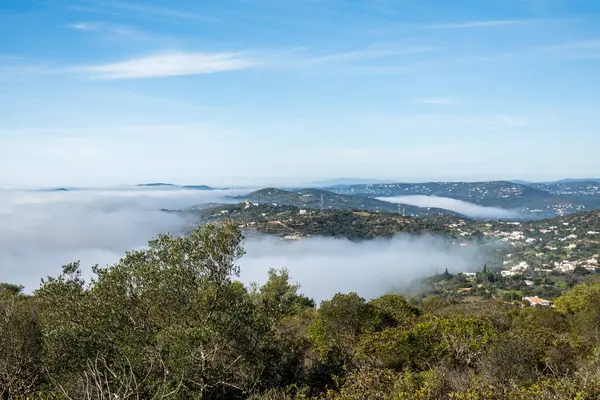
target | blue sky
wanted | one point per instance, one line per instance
(227, 92)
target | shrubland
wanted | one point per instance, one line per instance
(173, 321)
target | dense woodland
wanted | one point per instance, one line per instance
(172, 321)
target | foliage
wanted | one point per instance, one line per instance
(172, 321)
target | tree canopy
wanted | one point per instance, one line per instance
(173, 321)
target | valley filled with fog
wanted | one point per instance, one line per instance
(42, 230)
(462, 207)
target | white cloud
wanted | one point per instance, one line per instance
(170, 64)
(459, 206)
(117, 30)
(479, 24)
(85, 26)
(438, 101)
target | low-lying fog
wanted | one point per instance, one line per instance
(41, 231)
(465, 208)
(325, 266)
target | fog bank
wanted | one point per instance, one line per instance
(325, 266)
(463, 207)
(41, 231)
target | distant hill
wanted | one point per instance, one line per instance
(574, 187)
(170, 185)
(348, 181)
(197, 187)
(294, 222)
(60, 189)
(492, 194)
(570, 180)
(521, 182)
(154, 184)
(318, 198)
(532, 200)
(586, 219)
(538, 200)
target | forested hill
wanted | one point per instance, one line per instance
(585, 220)
(324, 199)
(283, 220)
(495, 194)
(536, 200)
(291, 221)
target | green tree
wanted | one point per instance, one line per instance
(278, 298)
(171, 312)
(338, 324)
(393, 309)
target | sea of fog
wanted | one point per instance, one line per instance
(42, 230)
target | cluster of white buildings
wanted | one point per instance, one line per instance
(565, 266)
(515, 270)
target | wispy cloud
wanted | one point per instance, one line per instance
(120, 31)
(370, 60)
(438, 101)
(479, 24)
(366, 54)
(170, 64)
(166, 12)
(85, 26)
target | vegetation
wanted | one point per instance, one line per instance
(171, 321)
(294, 222)
(325, 199)
(538, 200)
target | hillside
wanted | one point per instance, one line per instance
(492, 194)
(293, 223)
(561, 245)
(537, 200)
(582, 188)
(324, 199)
